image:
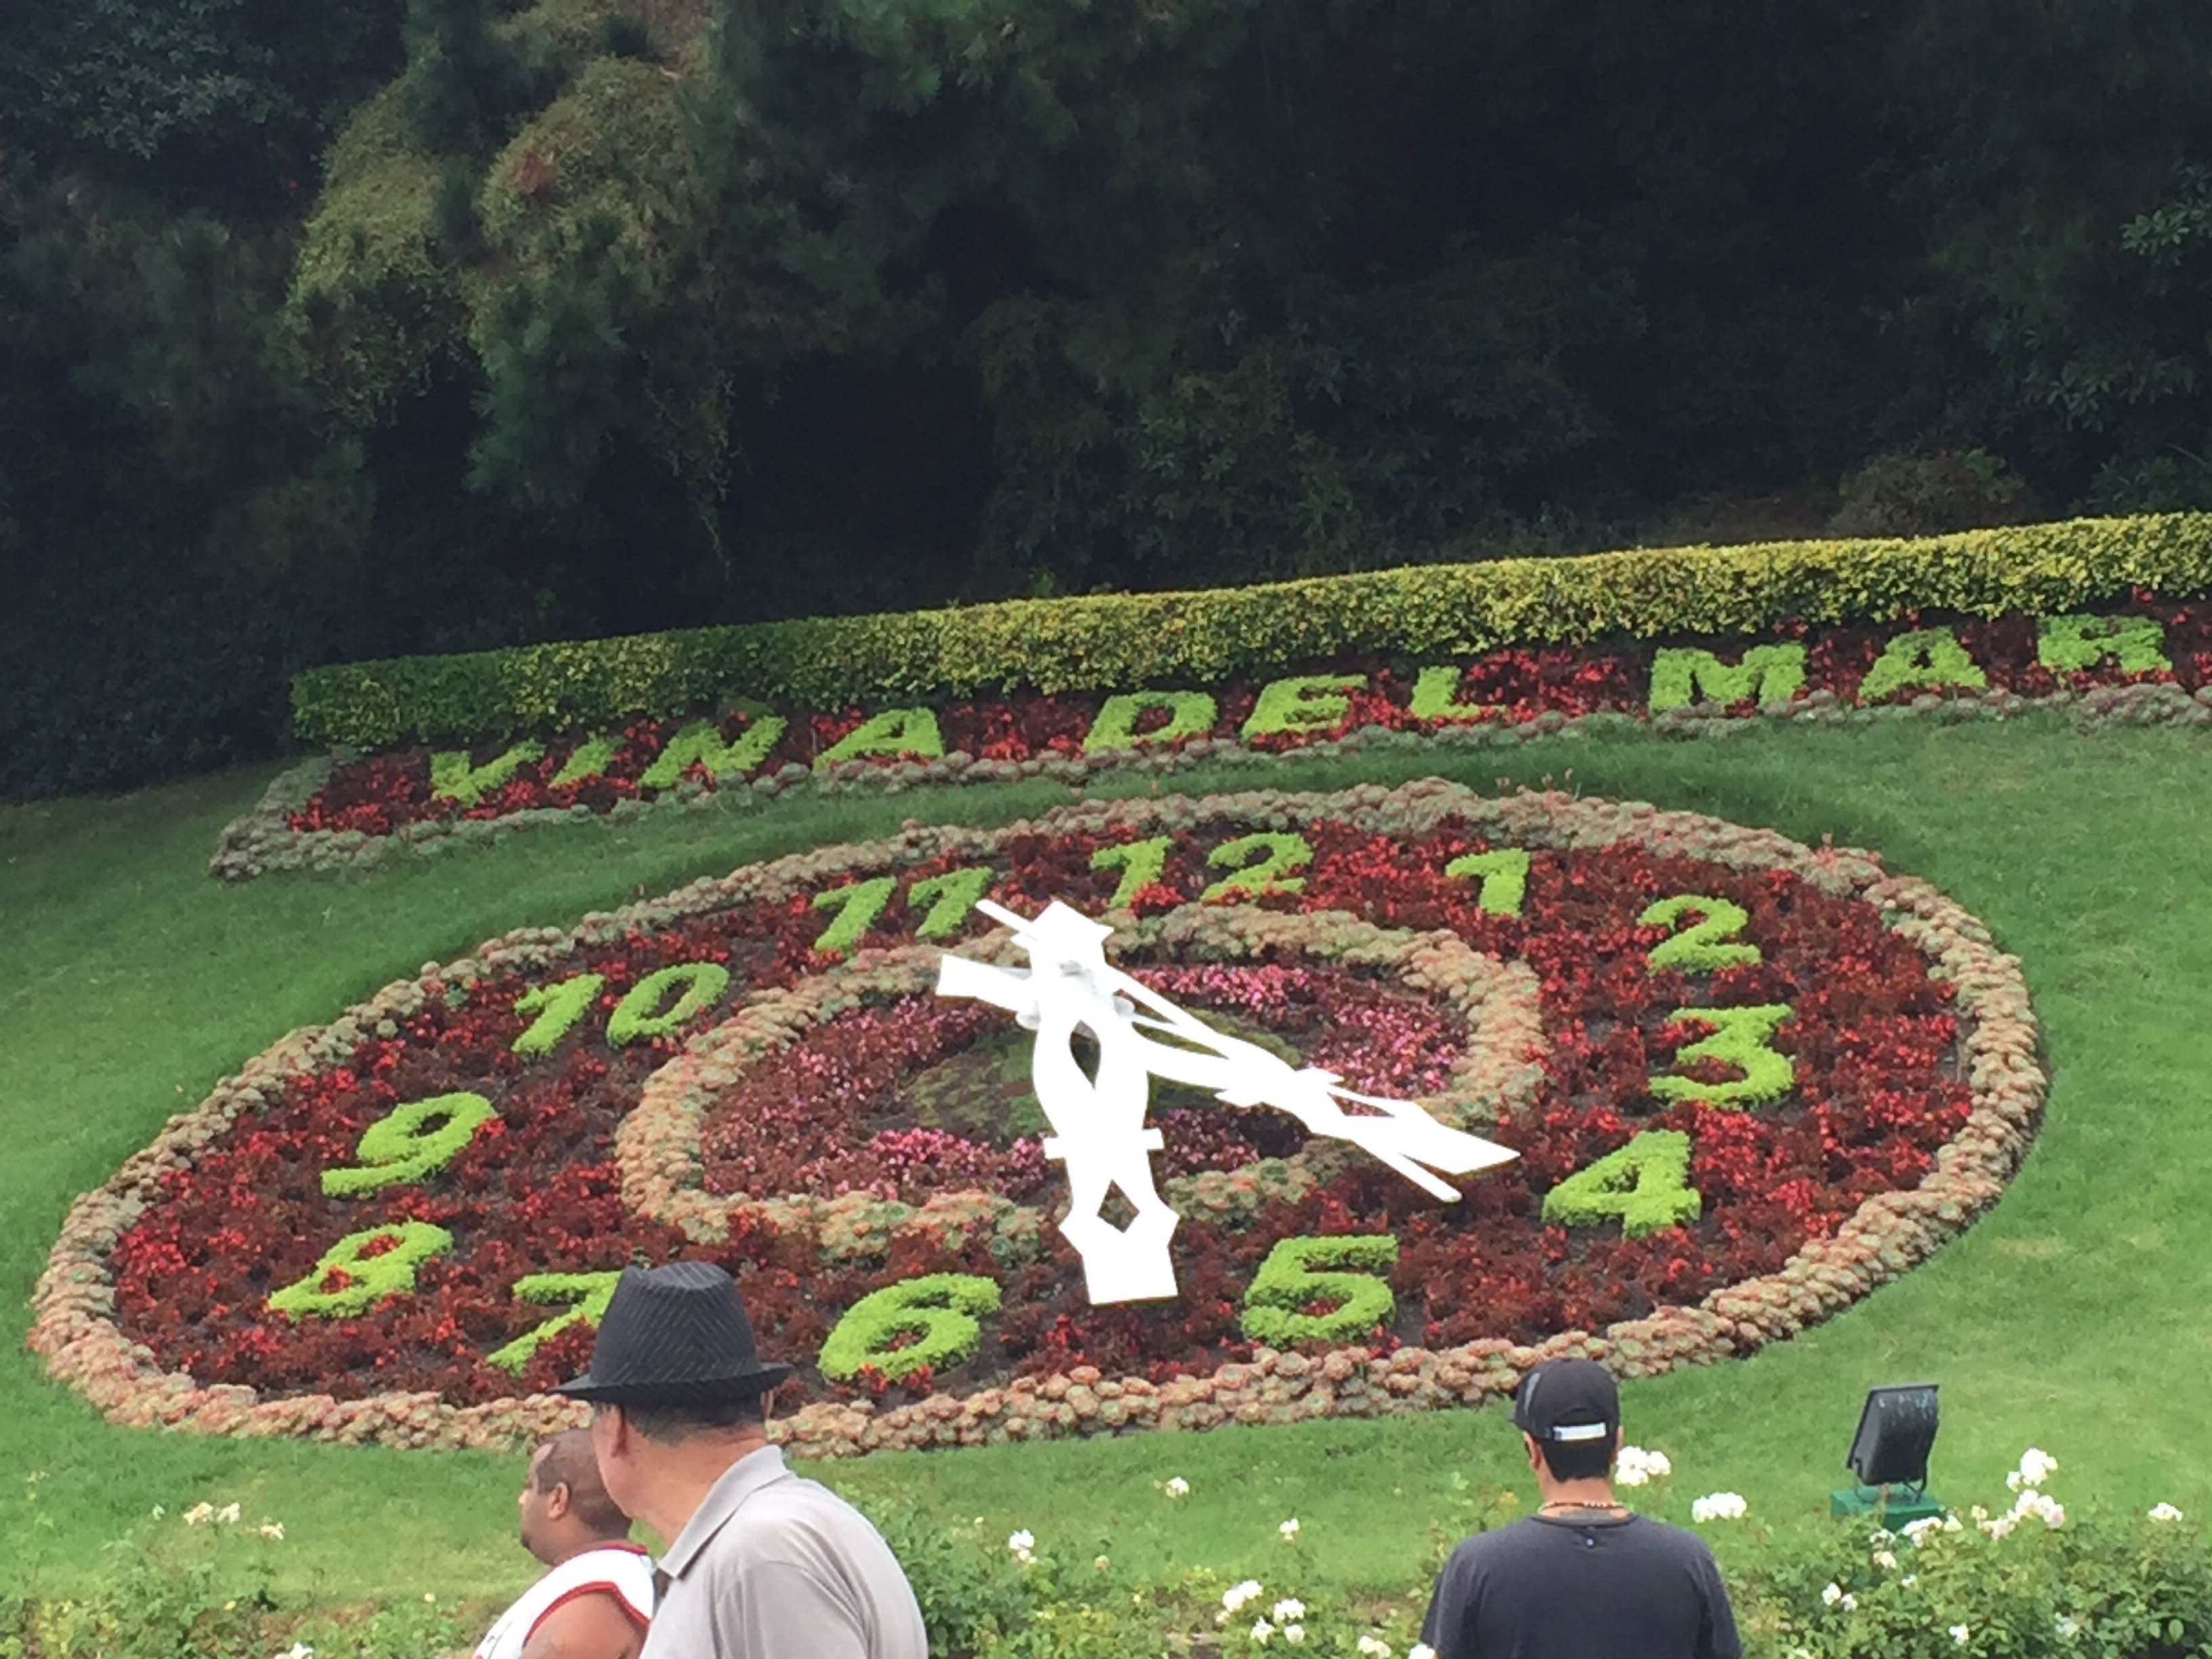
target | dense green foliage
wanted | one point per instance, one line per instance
(1107, 641)
(395, 326)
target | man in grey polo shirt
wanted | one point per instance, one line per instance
(760, 1563)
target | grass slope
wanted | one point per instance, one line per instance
(2072, 1318)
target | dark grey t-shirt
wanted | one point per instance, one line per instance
(1546, 1588)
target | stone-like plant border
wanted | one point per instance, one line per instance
(75, 1331)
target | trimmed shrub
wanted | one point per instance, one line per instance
(1114, 641)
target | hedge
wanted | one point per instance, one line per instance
(1115, 642)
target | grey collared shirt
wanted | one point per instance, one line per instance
(773, 1566)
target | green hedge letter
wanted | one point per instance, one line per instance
(1682, 675)
(1190, 714)
(1310, 703)
(1504, 874)
(2073, 645)
(1929, 659)
(588, 760)
(701, 745)
(911, 732)
(453, 778)
(1436, 697)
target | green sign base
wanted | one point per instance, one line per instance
(1886, 1506)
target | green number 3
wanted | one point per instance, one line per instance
(1740, 1038)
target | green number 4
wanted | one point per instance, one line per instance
(1645, 1184)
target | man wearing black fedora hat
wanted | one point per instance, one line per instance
(760, 1563)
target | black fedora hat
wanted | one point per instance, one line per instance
(675, 1336)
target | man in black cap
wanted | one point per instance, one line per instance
(760, 1563)
(1581, 1578)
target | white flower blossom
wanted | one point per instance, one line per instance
(273, 1531)
(227, 1514)
(1886, 1559)
(1833, 1593)
(199, 1514)
(1237, 1596)
(2037, 1465)
(1024, 1540)
(1288, 1611)
(1960, 1634)
(1719, 1506)
(1289, 1529)
(1261, 1630)
(1178, 1487)
(1374, 1647)
(1420, 1650)
(297, 1651)
(1294, 1634)
(1918, 1531)
(1636, 1467)
(1849, 1603)
(2165, 1512)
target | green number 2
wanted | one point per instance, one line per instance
(1265, 863)
(1704, 946)
(1740, 1038)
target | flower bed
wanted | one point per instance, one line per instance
(2151, 660)
(1746, 1080)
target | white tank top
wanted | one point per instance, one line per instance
(622, 1571)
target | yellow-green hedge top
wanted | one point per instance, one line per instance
(1121, 641)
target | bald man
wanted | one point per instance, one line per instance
(597, 1595)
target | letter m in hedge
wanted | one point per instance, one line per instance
(1682, 675)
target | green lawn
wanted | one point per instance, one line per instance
(2075, 1317)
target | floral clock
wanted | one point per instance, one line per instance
(1747, 1081)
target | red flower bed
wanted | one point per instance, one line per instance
(381, 795)
(904, 1099)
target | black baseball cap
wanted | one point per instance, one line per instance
(1568, 1401)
